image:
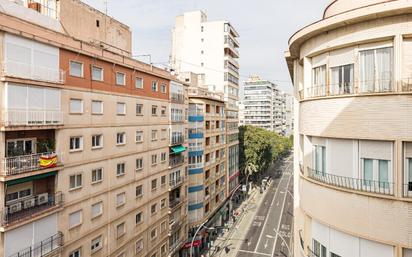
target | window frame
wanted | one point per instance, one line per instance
(81, 66)
(163, 88)
(102, 73)
(101, 104)
(101, 175)
(80, 220)
(94, 141)
(76, 181)
(100, 244)
(117, 109)
(101, 210)
(123, 137)
(139, 79)
(154, 86)
(124, 78)
(81, 106)
(140, 108)
(71, 150)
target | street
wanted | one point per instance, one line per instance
(270, 233)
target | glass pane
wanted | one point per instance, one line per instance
(383, 173)
(367, 171)
(367, 70)
(384, 68)
(348, 78)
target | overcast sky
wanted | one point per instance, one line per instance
(264, 27)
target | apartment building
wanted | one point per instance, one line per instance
(351, 72)
(263, 105)
(92, 146)
(178, 175)
(211, 48)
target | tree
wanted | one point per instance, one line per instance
(250, 169)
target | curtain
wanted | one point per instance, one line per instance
(334, 80)
(367, 171)
(348, 79)
(383, 173)
(367, 70)
(384, 64)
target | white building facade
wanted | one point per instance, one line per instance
(211, 48)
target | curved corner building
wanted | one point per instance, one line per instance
(352, 74)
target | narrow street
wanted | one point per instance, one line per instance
(270, 232)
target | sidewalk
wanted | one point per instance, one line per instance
(235, 235)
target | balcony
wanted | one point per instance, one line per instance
(27, 163)
(177, 140)
(177, 98)
(370, 186)
(195, 133)
(175, 246)
(195, 165)
(174, 202)
(32, 118)
(176, 182)
(176, 161)
(43, 248)
(311, 253)
(29, 207)
(33, 72)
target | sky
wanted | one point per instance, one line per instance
(264, 27)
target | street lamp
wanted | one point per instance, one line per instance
(197, 231)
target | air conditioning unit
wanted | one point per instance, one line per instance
(42, 198)
(29, 203)
(14, 207)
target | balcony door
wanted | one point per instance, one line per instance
(319, 159)
(18, 147)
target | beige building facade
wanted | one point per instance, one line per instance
(93, 143)
(353, 167)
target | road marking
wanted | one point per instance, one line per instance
(266, 218)
(270, 236)
(256, 223)
(281, 214)
(277, 204)
(254, 252)
(266, 243)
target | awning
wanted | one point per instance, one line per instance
(178, 149)
(31, 178)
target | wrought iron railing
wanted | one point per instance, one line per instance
(177, 98)
(27, 163)
(175, 202)
(371, 186)
(43, 248)
(176, 160)
(28, 207)
(176, 182)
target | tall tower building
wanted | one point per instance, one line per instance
(353, 153)
(211, 48)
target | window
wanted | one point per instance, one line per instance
(97, 141)
(154, 135)
(76, 106)
(120, 79)
(154, 184)
(139, 191)
(163, 111)
(153, 209)
(163, 226)
(139, 136)
(139, 245)
(318, 81)
(138, 82)
(75, 181)
(121, 138)
(376, 170)
(376, 70)
(75, 219)
(96, 244)
(139, 109)
(154, 159)
(153, 233)
(97, 107)
(383, 175)
(76, 144)
(154, 110)
(163, 88)
(75, 253)
(97, 209)
(162, 203)
(76, 69)
(319, 249)
(163, 250)
(139, 218)
(120, 230)
(120, 199)
(319, 159)
(154, 86)
(97, 73)
(121, 108)
(97, 175)
(163, 180)
(342, 80)
(164, 134)
(139, 164)
(163, 157)
(121, 169)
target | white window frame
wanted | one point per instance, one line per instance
(139, 135)
(94, 137)
(100, 212)
(154, 108)
(139, 187)
(101, 107)
(163, 88)
(96, 244)
(124, 108)
(153, 159)
(139, 160)
(123, 202)
(120, 169)
(97, 170)
(122, 137)
(101, 74)
(76, 253)
(141, 110)
(81, 106)
(136, 84)
(154, 134)
(154, 86)
(118, 235)
(81, 66)
(124, 78)
(80, 220)
(76, 181)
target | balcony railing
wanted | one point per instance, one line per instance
(32, 118)
(175, 246)
(341, 89)
(370, 186)
(33, 72)
(27, 163)
(177, 140)
(43, 248)
(311, 253)
(176, 182)
(196, 165)
(175, 202)
(177, 98)
(407, 190)
(29, 207)
(316, 91)
(176, 161)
